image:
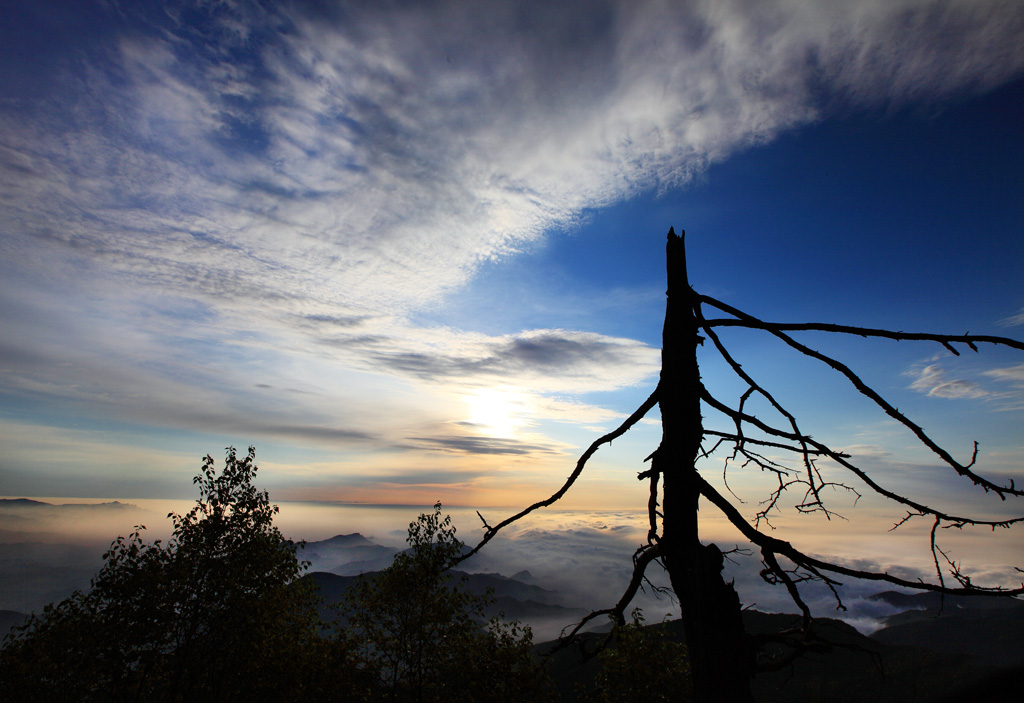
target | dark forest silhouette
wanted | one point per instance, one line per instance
(222, 612)
(723, 657)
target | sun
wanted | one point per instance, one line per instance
(497, 412)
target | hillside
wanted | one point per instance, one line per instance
(853, 669)
(512, 599)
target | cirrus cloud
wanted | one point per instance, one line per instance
(202, 203)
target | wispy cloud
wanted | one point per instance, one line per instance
(1002, 385)
(203, 205)
(1013, 320)
(933, 380)
(555, 360)
(1013, 397)
(329, 163)
(1013, 374)
(480, 445)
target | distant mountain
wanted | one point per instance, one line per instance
(520, 601)
(353, 540)
(524, 576)
(933, 602)
(350, 555)
(512, 599)
(331, 588)
(34, 574)
(347, 555)
(852, 669)
(22, 503)
(43, 505)
(47, 550)
(509, 587)
(988, 629)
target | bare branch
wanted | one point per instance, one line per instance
(696, 578)
(486, 526)
(641, 560)
(935, 548)
(946, 340)
(652, 503)
(773, 566)
(813, 478)
(841, 459)
(637, 415)
(759, 424)
(868, 392)
(763, 443)
(781, 547)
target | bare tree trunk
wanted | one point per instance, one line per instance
(721, 657)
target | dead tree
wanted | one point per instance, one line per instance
(723, 657)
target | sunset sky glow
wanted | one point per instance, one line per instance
(415, 251)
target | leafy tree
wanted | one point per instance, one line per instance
(215, 614)
(645, 665)
(722, 657)
(425, 635)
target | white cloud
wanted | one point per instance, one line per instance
(1013, 374)
(934, 381)
(272, 193)
(1013, 320)
(373, 159)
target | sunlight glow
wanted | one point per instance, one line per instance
(497, 412)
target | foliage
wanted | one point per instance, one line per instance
(220, 613)
(216, 613)
(425, 635)
(645, 666)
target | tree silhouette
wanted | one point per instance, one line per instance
(423, 635)
(217, 613)
(645, 666)
(723, 657)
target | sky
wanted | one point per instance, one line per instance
(415, 251)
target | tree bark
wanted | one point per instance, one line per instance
(721, 658)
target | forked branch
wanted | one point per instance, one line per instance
(783, 563)
(777, 330)
(843, 460)
(490, 531)
(947, 340)
(780, 547)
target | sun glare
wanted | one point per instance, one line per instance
(497, 412)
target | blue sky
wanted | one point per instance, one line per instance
(414, 251)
